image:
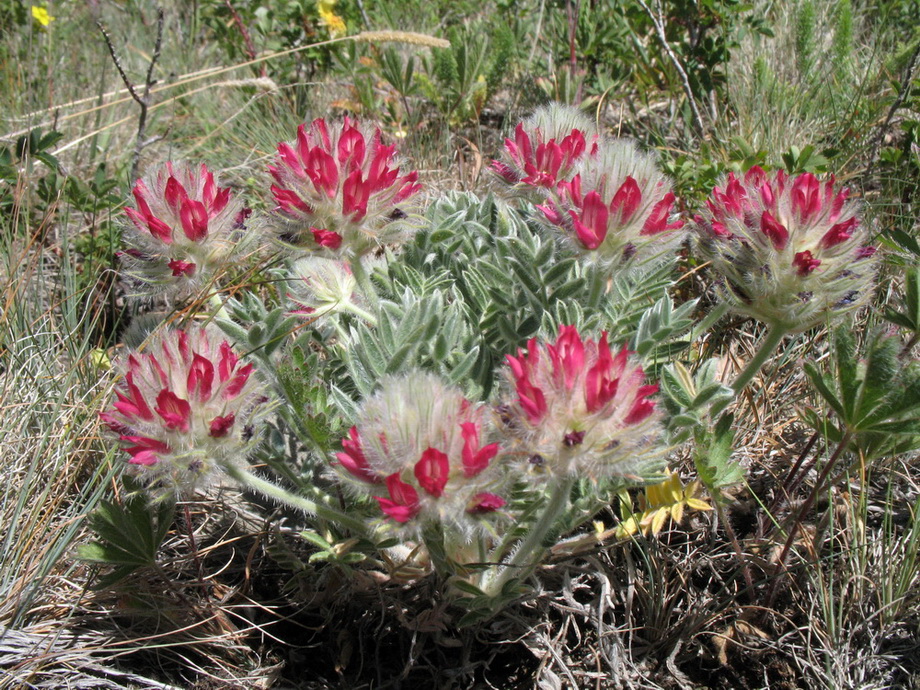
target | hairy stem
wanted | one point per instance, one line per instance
(364, 281)
(774, 336)
(275, 492)
(530, 549)
(220, 310)
(709, 321)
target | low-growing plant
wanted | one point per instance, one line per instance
(489, 365)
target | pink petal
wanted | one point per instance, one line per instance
(485, 503)
(432, 471)
(475, 459)
(838, 233)
(404, 504)
(658, 220)
(352, 458)
(327, 238)
(236, 385)
(182, 268)
(641, 408)
(194, 217)
(226, 362)
(355, 195)
(567, 355)
(591, 227)
(774, 230)
(200, 378)
(220, 426)
(806, 197)
(626, 200)
(805, 263)
(175, 411)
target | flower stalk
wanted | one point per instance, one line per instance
(298, 502)
(528, 555)
(772, 339)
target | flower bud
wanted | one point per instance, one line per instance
(320, 285)
(421, 449)
(183, 231)
(546, 149)
(339, 188)
(617, 210)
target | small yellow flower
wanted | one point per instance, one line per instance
(40, 15)
(666, 500)
(99, 358)
(333, 22)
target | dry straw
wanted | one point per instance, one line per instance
(402, 37)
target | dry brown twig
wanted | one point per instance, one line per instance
(142, 100)
(658, 21)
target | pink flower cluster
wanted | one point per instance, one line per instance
(607, 199)
(541, 163)
(338, 187)
(424, 443)
(183, 407)
(790, 250)
(580, 409)
(184, 229)
(592, 217)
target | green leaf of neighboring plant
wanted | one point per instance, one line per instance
(875, 395)
(128, 535)
(909, 317)
(712, 456)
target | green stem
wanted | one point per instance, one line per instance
(709, 320)
(359, 312)
(774, 336)
(364, 281)
(529, 552)
(273, 491)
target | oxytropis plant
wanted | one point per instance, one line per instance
(186, 410)
(401, 423)
(185, 230)
(419, 448)
(339, 187)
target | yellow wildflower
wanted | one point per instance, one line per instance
(40, 15)
(667, 499)
(99, 358)
(333, 22)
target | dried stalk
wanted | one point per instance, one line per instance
(684, 79)
(898, 102)
(142, 100)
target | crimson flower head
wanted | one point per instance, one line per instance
(579, 409)
(618, 209)
(339, 187)
(421, 449)
(604, 198)
(546, 149)
(789, 251)
(186, 405)
(184, 229)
